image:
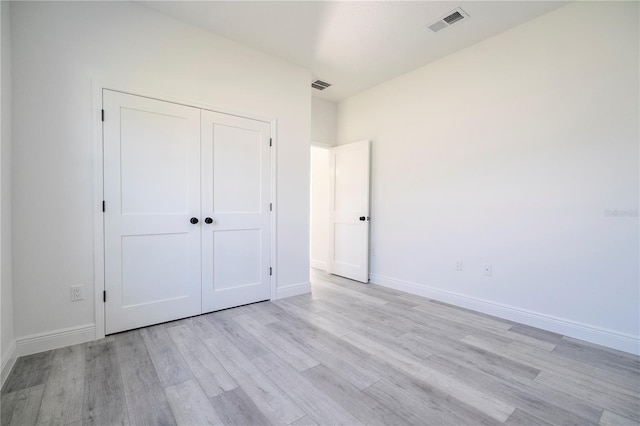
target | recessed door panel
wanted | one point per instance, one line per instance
(154, 162)
(236, 259)
(153, 267)
(237, 167)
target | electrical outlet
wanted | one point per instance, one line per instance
(458, 265)
(487, 269)
(76, 293)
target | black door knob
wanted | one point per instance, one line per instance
(208, 221)
(362, 218)
(194, 220)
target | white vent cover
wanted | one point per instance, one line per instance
(451, 18)
(320, 85)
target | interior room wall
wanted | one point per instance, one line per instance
(520, 152)
(320, 225)
(62, 50)
(323, 122)
(7, 341)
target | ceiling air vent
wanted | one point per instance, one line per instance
(320, 85)
(453, 17)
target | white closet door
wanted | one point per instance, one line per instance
(152, 190)
(235, 196)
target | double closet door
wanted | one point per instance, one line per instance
(187, 211)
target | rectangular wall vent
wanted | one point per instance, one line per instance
(320, 85)
(448, 20)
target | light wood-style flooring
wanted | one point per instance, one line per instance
(348, 354)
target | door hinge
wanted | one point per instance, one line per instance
(102, 115)
(104, 296)
(270, 142)
(104, 206)
(270, 207)
(270, 270)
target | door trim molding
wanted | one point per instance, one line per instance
(98, 84)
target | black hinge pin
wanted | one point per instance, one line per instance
(104, 296)
(270, 142)
(102, 115)
(270, 271)
(270, 207)
(104, 206)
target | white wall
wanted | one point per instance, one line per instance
(510, 152)
(323, 122)
(58, 48)
(320, 225)
(7, 343)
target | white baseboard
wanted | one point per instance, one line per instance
(55, 339)
(8, 361)
(293, 290)
(319, 264)
(600, 336)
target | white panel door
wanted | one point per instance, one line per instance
(151, 190)
(349, 211)
(236, 168)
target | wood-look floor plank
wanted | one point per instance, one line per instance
(537, 333)
(612, 419)
(190, 406)
(104, 399)
(29, 371)
(146, 401)
(522, 418)
(21, 406)
(236, 408)
(340, 356)
(169, 363)
(241, 338)
(312, 400)
(457, 388)
(352, 399)
(207, 370)
(64, 388)
(269, 398)
(285, 349)
(544, 403)
(304, 421)
(598, 356)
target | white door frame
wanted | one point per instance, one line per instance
(97, 86)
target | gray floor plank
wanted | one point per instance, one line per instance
(236, 408)
(21, 406)
(612, 419)
(362, 406)
(304, 421)
(169, 363)
(537, 333)
(64, 389)
(104, 399)
(316, 403)
(522, 418)
(190, 405)
(207, 370)
(269, 398)
(241, 338)
(288, 351)
(146, 401)
(29, 371)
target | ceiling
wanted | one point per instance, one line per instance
(354, 45)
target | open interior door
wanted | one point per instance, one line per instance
(349, 211)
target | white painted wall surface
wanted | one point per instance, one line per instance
(323, 122)
(511, 152)
(58, 48)
(6, 285)
(320, 225)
